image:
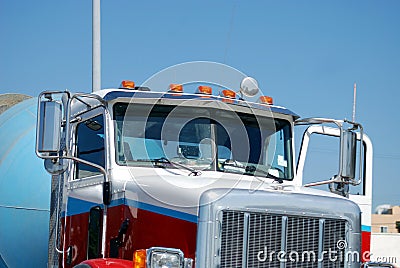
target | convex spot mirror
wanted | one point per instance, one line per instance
(249, 87)
(55, 166)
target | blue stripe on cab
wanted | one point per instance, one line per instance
(164, 211)
(78, 206)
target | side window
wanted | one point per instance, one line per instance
(279, 151)
(90, 146)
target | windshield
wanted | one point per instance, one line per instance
(203, 139)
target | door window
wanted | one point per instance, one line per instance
(90, 146)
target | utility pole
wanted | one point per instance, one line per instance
(96, 50)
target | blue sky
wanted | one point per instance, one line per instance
(305, 54)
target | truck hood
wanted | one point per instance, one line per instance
(175, 190)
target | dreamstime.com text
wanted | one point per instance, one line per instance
(338, 254)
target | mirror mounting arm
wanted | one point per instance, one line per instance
(106, 182)
(342, 185)
(334, 179)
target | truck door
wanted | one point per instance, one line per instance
(85, 210)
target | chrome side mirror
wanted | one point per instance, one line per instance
(348, 154)
(51, 121)
(48, 136)
(51, 124)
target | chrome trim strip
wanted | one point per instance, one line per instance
(245, 239)
(283, 239)
(321, 242)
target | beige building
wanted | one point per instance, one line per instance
(387, 220)
(385, 235)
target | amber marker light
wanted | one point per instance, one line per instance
(176, 88)
(204, 90)
(127, 84)
(139, 258)
(228, 94)
(266, 100)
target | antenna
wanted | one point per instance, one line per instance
(354, 102)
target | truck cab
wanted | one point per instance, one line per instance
(175, 179)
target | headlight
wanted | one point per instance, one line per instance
(158, 257)
(164, 258)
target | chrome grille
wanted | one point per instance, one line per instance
(265, 231)
(245, 234)
(334, 231)
(302, 236)
(232, 230)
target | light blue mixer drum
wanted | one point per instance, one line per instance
(24, 188)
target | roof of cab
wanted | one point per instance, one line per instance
(113, 94)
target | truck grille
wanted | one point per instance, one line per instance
(245, 234)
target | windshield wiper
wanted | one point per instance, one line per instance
(164, 160)
(252, 169)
